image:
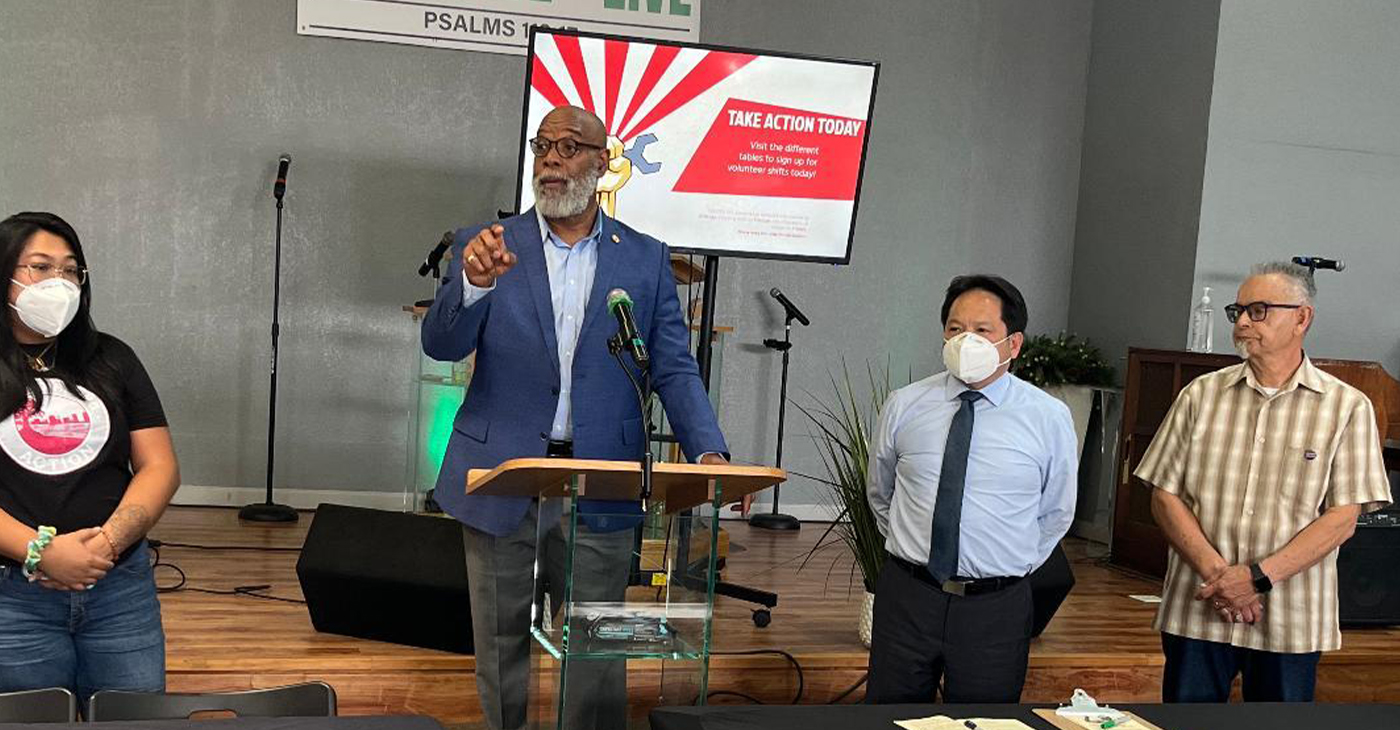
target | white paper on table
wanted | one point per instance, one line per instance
(943, 722)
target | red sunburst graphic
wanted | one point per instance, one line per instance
(714, 67)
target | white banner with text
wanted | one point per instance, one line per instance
(494, 26)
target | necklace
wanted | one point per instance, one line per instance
(37, 362)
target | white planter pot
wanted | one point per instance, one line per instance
(1080, 399)
(867, 618)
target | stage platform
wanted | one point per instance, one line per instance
(1100, 640)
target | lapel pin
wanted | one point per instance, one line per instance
(616, 239)
(1309, 454)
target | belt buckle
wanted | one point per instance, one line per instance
(955, 587)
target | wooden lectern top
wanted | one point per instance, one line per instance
(680, 486)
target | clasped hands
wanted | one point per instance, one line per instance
(76, 560)
(1230, 591)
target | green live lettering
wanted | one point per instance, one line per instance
(673, 7)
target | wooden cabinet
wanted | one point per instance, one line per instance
(1153, 380)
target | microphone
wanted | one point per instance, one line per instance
(435, 256)
(1317, 262)
(279, 188)
(792, 311)
(620, 304)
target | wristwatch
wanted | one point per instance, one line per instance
(1262, 584)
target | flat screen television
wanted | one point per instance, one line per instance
(717, 151)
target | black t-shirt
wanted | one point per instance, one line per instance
(69, 465)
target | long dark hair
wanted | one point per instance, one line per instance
(78, 357)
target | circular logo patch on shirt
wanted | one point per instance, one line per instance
(67, 435)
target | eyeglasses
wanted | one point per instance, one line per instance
(39, 272)
(566, 147)
(1257, 310)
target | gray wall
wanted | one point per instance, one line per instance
(155, 126)
(1145, 131)
(1304, 158)
(973, 166)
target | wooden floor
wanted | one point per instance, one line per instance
(1100, 640)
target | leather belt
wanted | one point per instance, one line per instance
(957, 585)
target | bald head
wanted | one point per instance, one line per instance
(565, 185)
(585, 125)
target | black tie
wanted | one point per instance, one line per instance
(947, 508)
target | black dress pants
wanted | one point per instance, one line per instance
(976, 646)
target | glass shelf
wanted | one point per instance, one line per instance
(652, 635)
(436, 393)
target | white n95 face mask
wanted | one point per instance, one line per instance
(48, 306)
(972, 358)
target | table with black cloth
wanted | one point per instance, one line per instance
(1235, 716)
(363, 722)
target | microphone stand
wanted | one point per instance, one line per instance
(432, 265)
(643, 388)
(704, 356)
(776, 520)
(270, 511)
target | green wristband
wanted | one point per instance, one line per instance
(34, 552)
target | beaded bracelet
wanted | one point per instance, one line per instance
(36, 547)
(110, 543)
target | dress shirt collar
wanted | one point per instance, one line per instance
(549, 237)
(1305, 376)
(994, 393)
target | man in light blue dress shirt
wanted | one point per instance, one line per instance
(972, 479)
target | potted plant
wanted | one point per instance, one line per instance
(841, 427)
(1048, 361)
(1069, 369)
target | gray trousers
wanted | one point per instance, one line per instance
(500, 579)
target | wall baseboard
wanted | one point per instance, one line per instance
(195, 495)
(210, 496)
(803, 512)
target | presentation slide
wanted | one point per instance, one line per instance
(714, 150)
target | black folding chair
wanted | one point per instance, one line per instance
(54, 704)
(310, 699)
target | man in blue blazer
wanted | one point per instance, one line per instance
(528, 295)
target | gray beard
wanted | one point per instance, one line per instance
(572, 201)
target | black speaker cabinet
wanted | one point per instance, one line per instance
(388, 576)
(1050, 585)
(1368, 585)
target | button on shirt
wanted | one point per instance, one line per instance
(1022, 473)
(571, 270)
(1255, 468)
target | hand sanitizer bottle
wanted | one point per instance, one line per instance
(1198, 339)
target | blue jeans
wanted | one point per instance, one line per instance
(1201, 671)
(107, 638)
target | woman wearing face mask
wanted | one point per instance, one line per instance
(86, 468)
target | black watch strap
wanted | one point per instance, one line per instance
(1262, 584)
